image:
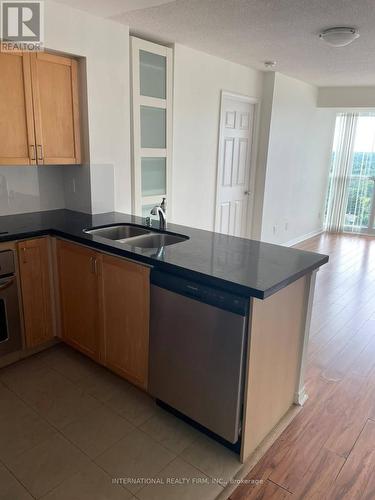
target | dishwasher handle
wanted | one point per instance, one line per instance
(203, 293)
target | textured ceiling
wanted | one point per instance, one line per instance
(110, 8)
(252, 31)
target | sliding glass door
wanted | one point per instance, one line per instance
(360, 204)
(351, 197)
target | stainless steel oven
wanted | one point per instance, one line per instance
(10, 324)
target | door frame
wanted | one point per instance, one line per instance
(370, 229)
(252, 163)
(371, 224)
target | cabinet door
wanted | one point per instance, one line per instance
(17, 142)
(35, 274)
(125, 300)
(78, 285)
(56, 109)
(152, 89)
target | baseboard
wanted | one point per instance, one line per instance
(299, 239)
(253, 459)
(300, 397)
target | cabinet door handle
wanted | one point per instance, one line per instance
(32, 152)
(40, 152)
(24, 259)
(93, 265)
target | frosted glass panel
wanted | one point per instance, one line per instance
(152, 74)
(153, 176)
(153, 125)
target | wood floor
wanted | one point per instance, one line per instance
(328, 451)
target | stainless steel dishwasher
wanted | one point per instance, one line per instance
(197, 352)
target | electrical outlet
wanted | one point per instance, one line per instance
(274, 229)
(74, 185)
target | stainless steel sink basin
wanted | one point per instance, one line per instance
(135, 236)
(117, 232)
(156, 240)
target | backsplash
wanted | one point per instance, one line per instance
(30, 189)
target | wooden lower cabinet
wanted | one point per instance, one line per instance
(78, 289)
(104, 303)
(36, 288)
(125, 299)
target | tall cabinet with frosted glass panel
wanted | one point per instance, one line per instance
(152, 124)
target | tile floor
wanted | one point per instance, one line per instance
(69, 428)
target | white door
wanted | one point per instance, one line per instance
(234, 161)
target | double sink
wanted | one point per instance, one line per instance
(136, 236)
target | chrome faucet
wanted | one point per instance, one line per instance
(161, 210)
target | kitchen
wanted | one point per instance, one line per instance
(122, 305)
(121, 311)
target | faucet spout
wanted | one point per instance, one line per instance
(160, 210)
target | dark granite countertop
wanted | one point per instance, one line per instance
(247, 267)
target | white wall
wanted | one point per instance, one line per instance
(299, 148)
(30, 189)
(105, 45)
(263, 141)
(198, 81)
(346, 97)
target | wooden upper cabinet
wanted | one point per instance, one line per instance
(17, 140)
(78, 286)
(125, 292)
(56, 109)
(39, 110)
(36, 286)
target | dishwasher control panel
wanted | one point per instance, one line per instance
(209, 295)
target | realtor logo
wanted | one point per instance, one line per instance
(22, 26)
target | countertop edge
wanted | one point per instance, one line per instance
(235, 288)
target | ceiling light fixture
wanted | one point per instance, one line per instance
(269, 64)
(339, 37)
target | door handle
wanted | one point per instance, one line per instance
(40, 152)
(247, 193)
(32, 152)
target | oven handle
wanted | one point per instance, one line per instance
(9, 282)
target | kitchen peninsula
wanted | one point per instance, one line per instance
(269, 286)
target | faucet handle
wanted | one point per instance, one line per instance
(163, 204)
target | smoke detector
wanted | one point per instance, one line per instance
(339, 37)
